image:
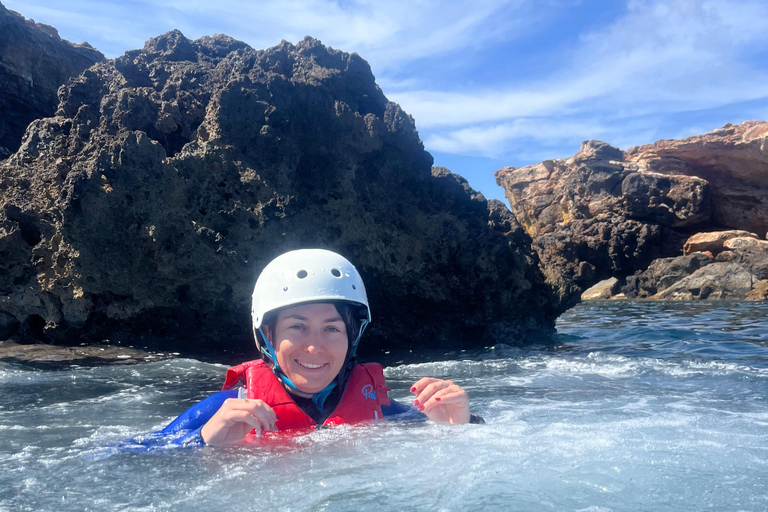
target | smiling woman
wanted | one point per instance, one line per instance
(309, 312)
(311, 345)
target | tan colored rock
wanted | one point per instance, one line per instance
(603, 290)
(712, 241)
(617, 211)
(744, 242)
(759, 291)
(733, 159)
(596, 212)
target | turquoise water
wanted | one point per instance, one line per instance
(642, 406)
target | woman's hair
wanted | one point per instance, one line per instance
(350, 314)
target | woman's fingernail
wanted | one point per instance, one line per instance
(437, 399)
(415, 402)
(421, 407)
(413, 389)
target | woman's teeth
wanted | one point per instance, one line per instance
(310, 365)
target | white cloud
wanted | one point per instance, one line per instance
(493, 140)
(662, 56)
(387, 34)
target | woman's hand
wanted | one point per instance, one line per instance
(441, 400)
(235, 418)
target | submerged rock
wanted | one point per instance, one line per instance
(608, 213)
(170, 176)
(52, 356)
(34, 63)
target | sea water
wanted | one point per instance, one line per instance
(640, 406)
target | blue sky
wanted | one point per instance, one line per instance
(494, 83)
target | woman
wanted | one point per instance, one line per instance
(309, 311)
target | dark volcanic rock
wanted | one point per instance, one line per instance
(170, 177)
(34, 62)
(605, 213)
(663, 273)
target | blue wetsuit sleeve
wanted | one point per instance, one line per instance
(184, 430)
(398, 411)
(199, 414)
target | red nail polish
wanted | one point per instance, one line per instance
(415, 402)
(413, 389)
(437, 399)
(421, 407)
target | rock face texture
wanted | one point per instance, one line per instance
(734, 265)
(34, 62)
(169, 178)
(733, 160)
(606, 213)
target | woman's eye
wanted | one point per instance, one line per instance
(333, 329)
(297, 326)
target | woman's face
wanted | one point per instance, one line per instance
(310, 343)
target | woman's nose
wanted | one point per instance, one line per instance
(314, 343)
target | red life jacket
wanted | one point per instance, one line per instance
(366, 392)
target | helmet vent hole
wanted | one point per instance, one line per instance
(336, 272)
(285, 288)
(301, 274)
(354, 287)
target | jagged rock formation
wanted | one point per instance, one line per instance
(605, 213)
(34, 62)
(169, 177)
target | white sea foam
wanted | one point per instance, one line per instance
(597, 425)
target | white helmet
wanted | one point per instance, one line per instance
(307, 275)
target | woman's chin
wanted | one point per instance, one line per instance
(310, 388)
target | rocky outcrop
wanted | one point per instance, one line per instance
(595, 216)
(169, 177)
(733, 160)
(731, 268)
(34, 63)
(606, 213)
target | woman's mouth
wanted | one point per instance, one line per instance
(310, 366)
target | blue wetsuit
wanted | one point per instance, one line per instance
(185, 430)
